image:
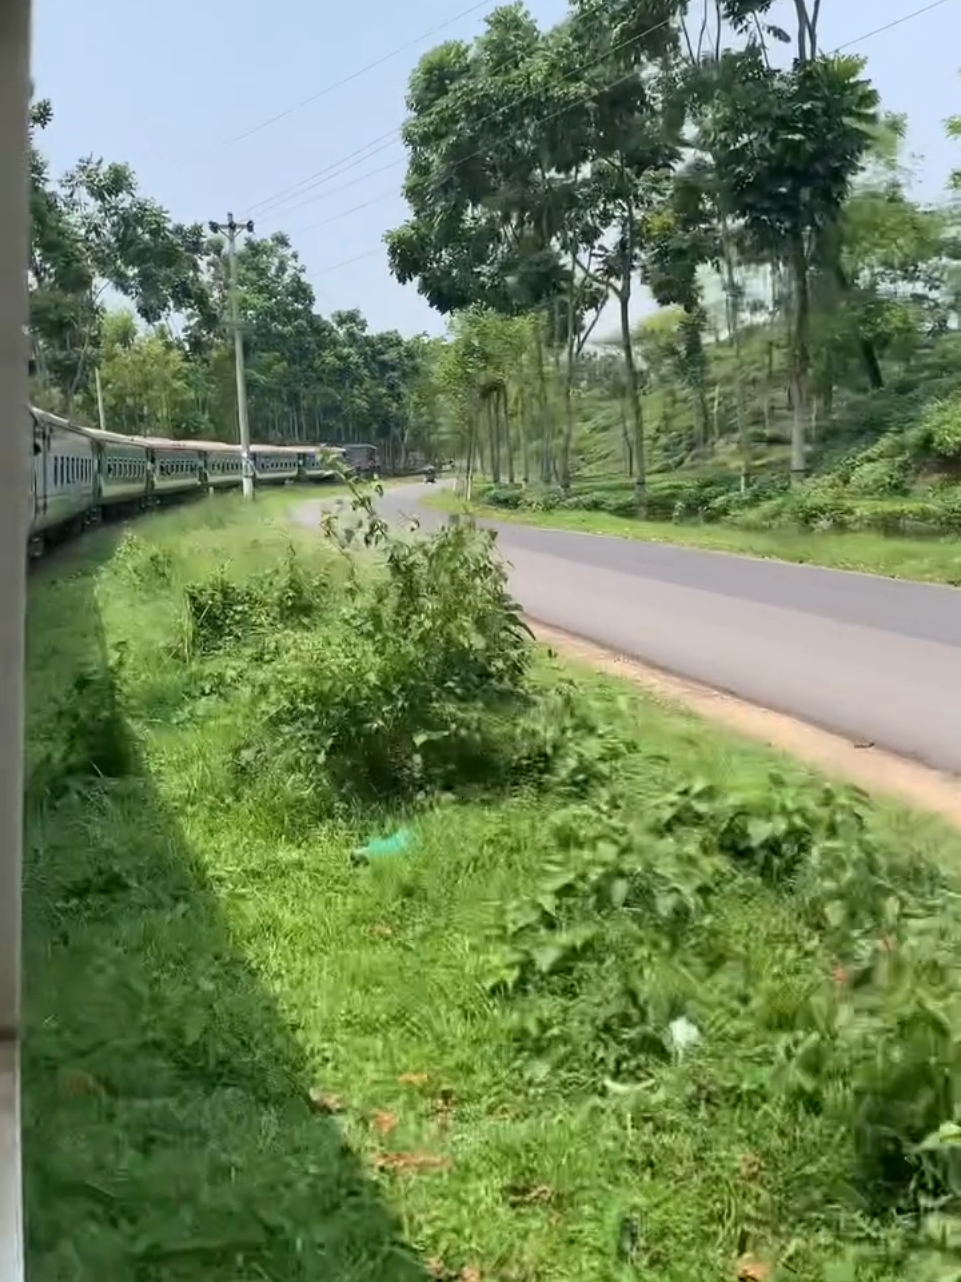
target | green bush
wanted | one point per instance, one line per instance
(506, 496)
(89, 740)
(826, 509)
(940, 429)
(421, 683)
(636, 921)
(148, 566)
(220, 612)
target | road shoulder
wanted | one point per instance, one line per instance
(864, 765)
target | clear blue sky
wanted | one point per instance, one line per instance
(165, 87)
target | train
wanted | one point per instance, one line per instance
(81, 475)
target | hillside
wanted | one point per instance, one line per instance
(887, 460)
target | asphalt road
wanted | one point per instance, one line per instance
(874, 659)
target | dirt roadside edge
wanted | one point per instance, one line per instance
(868, 767)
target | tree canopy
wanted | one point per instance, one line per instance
(164, 356)
(746, 179)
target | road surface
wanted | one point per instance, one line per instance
(877, 660)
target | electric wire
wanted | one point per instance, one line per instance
(888, 26)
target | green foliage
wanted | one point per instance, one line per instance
(88, 737)
(635, 923)
(940, 429)
(220, 612)
(147, 566)
(420, 686)
(309, 377)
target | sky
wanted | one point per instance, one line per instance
(187, 92)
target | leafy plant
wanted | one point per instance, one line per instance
(220, 612)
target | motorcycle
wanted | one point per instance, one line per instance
(430, 476)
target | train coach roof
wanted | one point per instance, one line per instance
(114, 438)
(56, 419)
(162, 442)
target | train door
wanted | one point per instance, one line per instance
(41, 470)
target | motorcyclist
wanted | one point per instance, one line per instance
(430, 474)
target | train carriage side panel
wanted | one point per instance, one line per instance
(124, 468)
(275, 464)
(177, 467)
(224, 465)
(65, 472)
(318, 463)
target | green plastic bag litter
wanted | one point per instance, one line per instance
(396, 844)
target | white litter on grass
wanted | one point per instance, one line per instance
(684, 1035)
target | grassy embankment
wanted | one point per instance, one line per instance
(250, 1056)
(924, 560)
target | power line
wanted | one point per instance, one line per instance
(332, 171)
(324, 271)
(339, 84)
(344, 213)
(335, 191)
(867, 35)
(387, 139)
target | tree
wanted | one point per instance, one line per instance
(165, 360)
(788, 145)
(92, 231)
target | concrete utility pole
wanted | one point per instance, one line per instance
(232, 230)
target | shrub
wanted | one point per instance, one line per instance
(941, 426)
(89, 739)
(220, 612)
(870, 1043)
(419, 684)
(506, 496)
(142, 563)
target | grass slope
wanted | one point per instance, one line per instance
(248, 1057)
(924, 560)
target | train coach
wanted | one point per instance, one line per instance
(275, 464)
(179, 467)
(224, 466)
(81, 474)
(64, 477)
(124, 470)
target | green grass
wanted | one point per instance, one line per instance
(933, 560)
(196, 982)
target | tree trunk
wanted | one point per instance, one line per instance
(508, 444)
(800, 359)
(633, 393)
(734, 328)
